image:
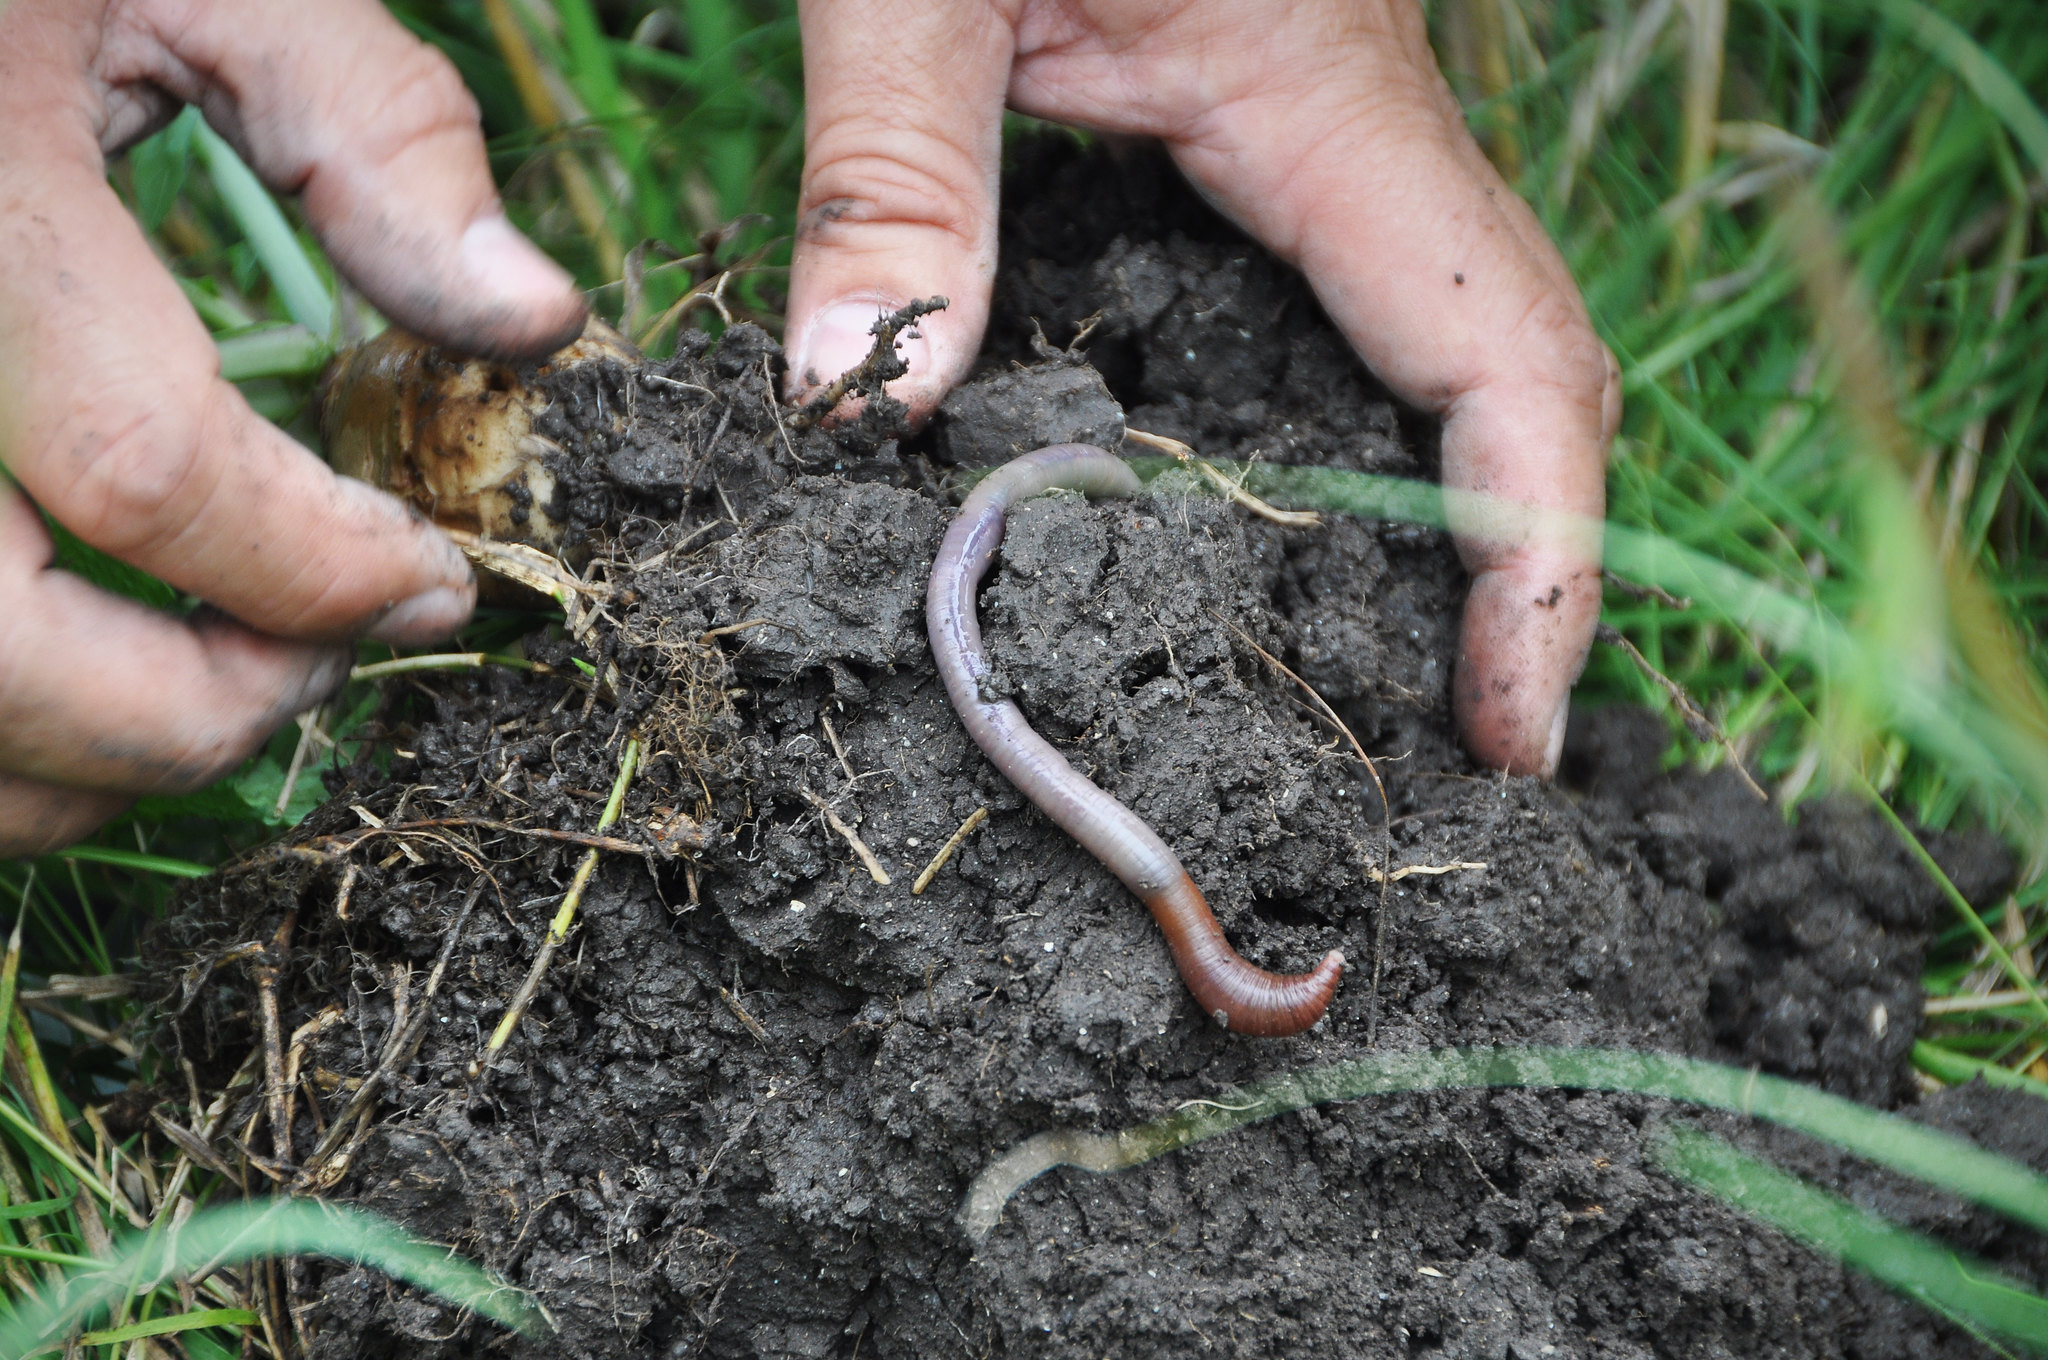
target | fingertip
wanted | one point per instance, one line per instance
(1511, 690)
(429, 616)
(524, 305)
(839, 337)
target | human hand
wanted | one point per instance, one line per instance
(1326, 131)
(114, 419)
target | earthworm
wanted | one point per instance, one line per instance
(1237, 994)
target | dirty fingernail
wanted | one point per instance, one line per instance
(840, 337)
(497, 258)
(426, 617)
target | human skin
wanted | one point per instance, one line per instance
(1323, 128)
(114, 419)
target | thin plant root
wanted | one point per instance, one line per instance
(852, 838)
(1697, 722)
(704, 639)
(692, 709)
(1292, 519)
(398, 1051)
(953, 842)
(1429, 870)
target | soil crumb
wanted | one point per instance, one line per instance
(742, 1113)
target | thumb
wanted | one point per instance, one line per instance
(902, 149)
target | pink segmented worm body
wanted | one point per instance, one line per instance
(1239, 995)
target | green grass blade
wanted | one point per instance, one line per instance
(183, 1322)
(26, 1127)
(1956, 1068)
(55, 1258)
(1940, 1159)
(288, 351)
(35, 1208)
(1958, 1287)
(234, 1233)
(269, 234)
(159, 164)
(135, 859)
(80, 558)
(1985, 75)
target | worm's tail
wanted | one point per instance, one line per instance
(1241, 996)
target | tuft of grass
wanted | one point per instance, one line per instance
(87, 1306)
(1826, 281)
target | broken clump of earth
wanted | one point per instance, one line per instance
(743, 1109)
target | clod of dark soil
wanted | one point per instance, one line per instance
(742, 1113)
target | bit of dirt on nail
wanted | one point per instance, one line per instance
(741, 1115)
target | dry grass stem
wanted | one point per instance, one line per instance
(443, 661)
(267, 969)
(953, 842)
(309, 724)
(528, 566)
(1963, 1005)
(852, 838)
(741, 1014)
(79, 1024)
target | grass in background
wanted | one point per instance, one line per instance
(1810, 229)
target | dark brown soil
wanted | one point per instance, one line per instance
(742, 1115)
